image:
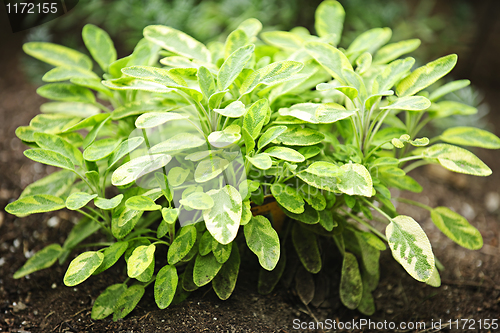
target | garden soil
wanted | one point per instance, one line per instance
(41, 303)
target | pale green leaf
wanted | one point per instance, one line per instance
(223, 219)
(177, 176)
(57, 55)
(178, 142)
(329, 20)
(233, 66)
(177, 42)
(369, 41)
(153, 119)
(140, 260)
(391, 75)
(426, 75)
(286, 154)
(448, 88)
(168, 78)
(226, 137)
(393, 51)
(410, 247)
(82, 267)
(324, 169)
(234, 110)
(138, 167)
(100, 149)
(457, 228)
(251, 27)
(123, 149)
(332, 60)
(78, 200)
(205, 269)
(445, 109)
(282, 39)
(317, 113)
(263, 240)
(300, 136)
(261, 161)
(255, 117)
(128, 301)
(38, 203)
(457, 159)
(235, 40)
(410, 103)
(221, 251)
(42, 259)
(130, 83)
(66, 92)
(141, 202)
(274, 73)
(100, 45)
(55, 184)
(355, 180)
(198, 200)
(271, 134)
(57, 144)
(470, 136)
(65, 73)
(210, 168)
(111, 256)
(76, 109)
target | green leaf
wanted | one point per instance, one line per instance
(49, 157)
(448, 88)
(66, 92)
(223, 219)
(269, 279)
(457, 228)
(298, 136)
(317, 113)
(391, 75)
(169, 217)
(272, 74)
(57, 55)
(286, 154)
(329, 21)
(271, 134)
(410, 247)
(324, 169)
(410, 103)
(153, 119)
(141, 202)
(233, 66)
(404, 183)
(226, 137)
(123, 221)
(87, 122)
(369, 41)
(130, 83)
(234, 110)
(351, 285)
(177, 176)
(178, 142)
(251, 27)
(59, 145)
(92, 83)
(263, 240)
(108, 204)
(104, 305)
(42, 259)
(111, 256)
(38, 203)
(426, 75)
(225, 281)
(470, 136)
(123, 149)
(310, 151)
(65, 73)
(100, 149)
(332, 60)
(282, 39)
(165, 286)
(457, 159)
(210, 168)
(435, 279)
(327, 183)
(78, 200)
(198, 200)
(393, 51)
(309, 216)
(255, 117)
(100, 45)
(205, 245)
(140, 259)
(306, 245)
(288, 197)
(261, 161)
(138, 167)
(206, 82)
(82, 267)
(168, 78)
(355, 180)
(220, 251)
(234, 41)
(128, 301)
(445, 109)
(205, 269)
(55, 184)
(182, 244)
(177, 42)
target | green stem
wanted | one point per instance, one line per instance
(103, 226)
(95, 244)
(377, 209)
(415, 165)
(410, 158)
(366, 224)
(161, 242)
(102, 107)
(377, 127)
(414, 203)
(375, 149)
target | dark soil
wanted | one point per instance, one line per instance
(41, 303)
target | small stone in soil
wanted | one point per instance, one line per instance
(491, 201)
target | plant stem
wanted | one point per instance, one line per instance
(366, 224)
(414, 203)
(415, 165)
(378, 209)
(410, 158)
(103, 226)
